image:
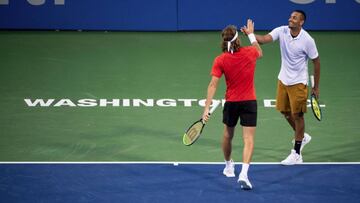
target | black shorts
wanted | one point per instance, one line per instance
(246, 110)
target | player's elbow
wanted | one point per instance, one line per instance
(316, 60)
(212, 85)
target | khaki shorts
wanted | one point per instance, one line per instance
(291, 98)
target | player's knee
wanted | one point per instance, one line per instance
(298, 116)
(228, 132)
(287, 115)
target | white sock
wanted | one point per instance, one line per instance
(228, 163)
(244, 169)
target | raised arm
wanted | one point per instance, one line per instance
(249, 31)
(263, 39)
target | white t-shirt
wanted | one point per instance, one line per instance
(295, 53)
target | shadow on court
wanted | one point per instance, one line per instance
(182, 183)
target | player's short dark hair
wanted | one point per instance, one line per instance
(302, 13)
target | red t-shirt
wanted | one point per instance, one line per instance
(239, 69)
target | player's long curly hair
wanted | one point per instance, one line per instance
(227, 34)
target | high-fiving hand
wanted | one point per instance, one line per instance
(249, 28)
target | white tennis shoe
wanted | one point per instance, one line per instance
(306, 140)
(229, 171)
(244, 182)
(292, 159)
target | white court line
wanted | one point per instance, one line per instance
(169, 162)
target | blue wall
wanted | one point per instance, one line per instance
(173, 15)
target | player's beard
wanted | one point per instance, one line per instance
(291, 25)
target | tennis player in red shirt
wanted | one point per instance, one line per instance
(237, 64)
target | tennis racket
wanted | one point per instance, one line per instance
(194, 131)
(315, 103)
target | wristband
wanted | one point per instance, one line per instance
(252, 38)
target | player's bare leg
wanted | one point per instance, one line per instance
(290, 119)
(295, 156)
(229, 170)
(299, 126)
(248, 138)
(226, 143)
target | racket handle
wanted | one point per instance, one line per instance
(216, 104)
(312, 81)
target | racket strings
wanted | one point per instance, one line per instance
(316, 108)
(193, 133)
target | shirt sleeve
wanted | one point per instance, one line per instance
(275, 33)
(311, 49)
(217, 69)
(255, 52)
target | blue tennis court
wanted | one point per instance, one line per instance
(165, 182)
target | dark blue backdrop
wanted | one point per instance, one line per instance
(173, 15)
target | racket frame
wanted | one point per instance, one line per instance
(215, 105)
(197, 137)
(313, 98)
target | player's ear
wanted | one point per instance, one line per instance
(302, 22)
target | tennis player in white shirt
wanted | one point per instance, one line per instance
(296, 46)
